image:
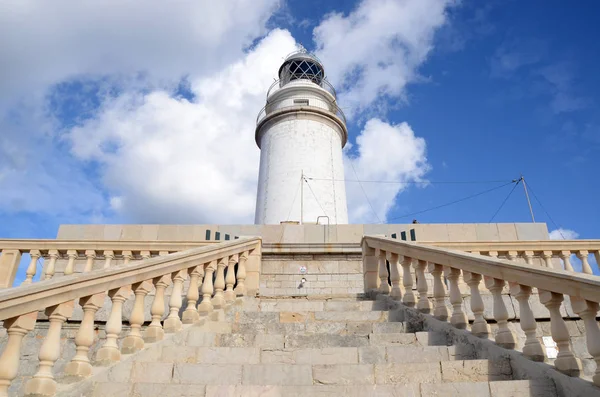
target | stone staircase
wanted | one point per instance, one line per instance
(303, 347)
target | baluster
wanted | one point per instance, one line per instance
(145, 254)
(206, 305)
(459, 318)
(190, 315)
(218, 300)
(440, 311)
(108, 257)
(597, 256)
(512, 256)
(504, 337)
(230, 279)
(16, 328)
(134, 342)
(80, 366)
(566, 258)
(127, 257)
(565, 362)
(533, 348)
(173, 322)
(240, 288)
(370, 267)
(43, 383)
(587, 311)
(409, 296)
(89, 264)
(423, 305)
(528, 255)
(70, 268)
(547, 255)
(109, 352)
(155, 331)
(585, 265)
(32, 268)
(53, 254)
(384, 286)
(480, 327)
(396, 292)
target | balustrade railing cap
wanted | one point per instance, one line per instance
(580, 285)
(34, 297)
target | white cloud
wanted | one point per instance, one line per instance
(563, 234)
(48, 42)
(386, 152)
(162, 158)
(166, 159)
(376, 50)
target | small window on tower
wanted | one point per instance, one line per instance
(301, 102)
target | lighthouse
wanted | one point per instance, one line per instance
(301, 132)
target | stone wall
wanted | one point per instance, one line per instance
(326, 274)
(308, 233)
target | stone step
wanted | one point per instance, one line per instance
(521, 388)
(312, 356)
(284, 374)
(333, 327)
(316, 316)
(306, 305)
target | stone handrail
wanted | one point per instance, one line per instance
(552, 285)
(73, 250)
(546, 250)
(19, 306)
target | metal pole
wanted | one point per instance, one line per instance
(302, 198)
(528, 201)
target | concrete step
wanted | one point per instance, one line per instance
(333, 327)
(306, 305)
(521, 388)
(283, 374)
(316, 316)
(312, 356)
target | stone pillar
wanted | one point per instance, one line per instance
(90, 255)
(80, 366)
(395, 278)
(32, 268)
(191, 315)
(587, 311)
(533, 348)
(207, 290)
(70, 268)
(53, 254)
(480, 326)
(440, 311)
(9, 264)
(370, 263)
(218, 300)
(16, 328)
(240, 288)
(459, 318)
(108, 257)
(134, 342)
(173, 322)
(409, 297)
(504, 337)
(155, 331)
(423, 305)
(127, 257)
(253, 266)
(230, 278)
(565, 362)
(43, 383)
(109, 353)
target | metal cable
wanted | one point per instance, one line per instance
(364, 192)
(544, 209)
(505, 200)
(452, 202)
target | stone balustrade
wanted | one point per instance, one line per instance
(58, 297)
(552, 286)
(78, 256)
(558, 254)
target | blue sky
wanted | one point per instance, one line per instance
(106, 122)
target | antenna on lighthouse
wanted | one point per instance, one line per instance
(527, 195)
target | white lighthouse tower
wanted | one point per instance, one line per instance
(301, 132)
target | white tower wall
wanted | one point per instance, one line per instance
(301, 134)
